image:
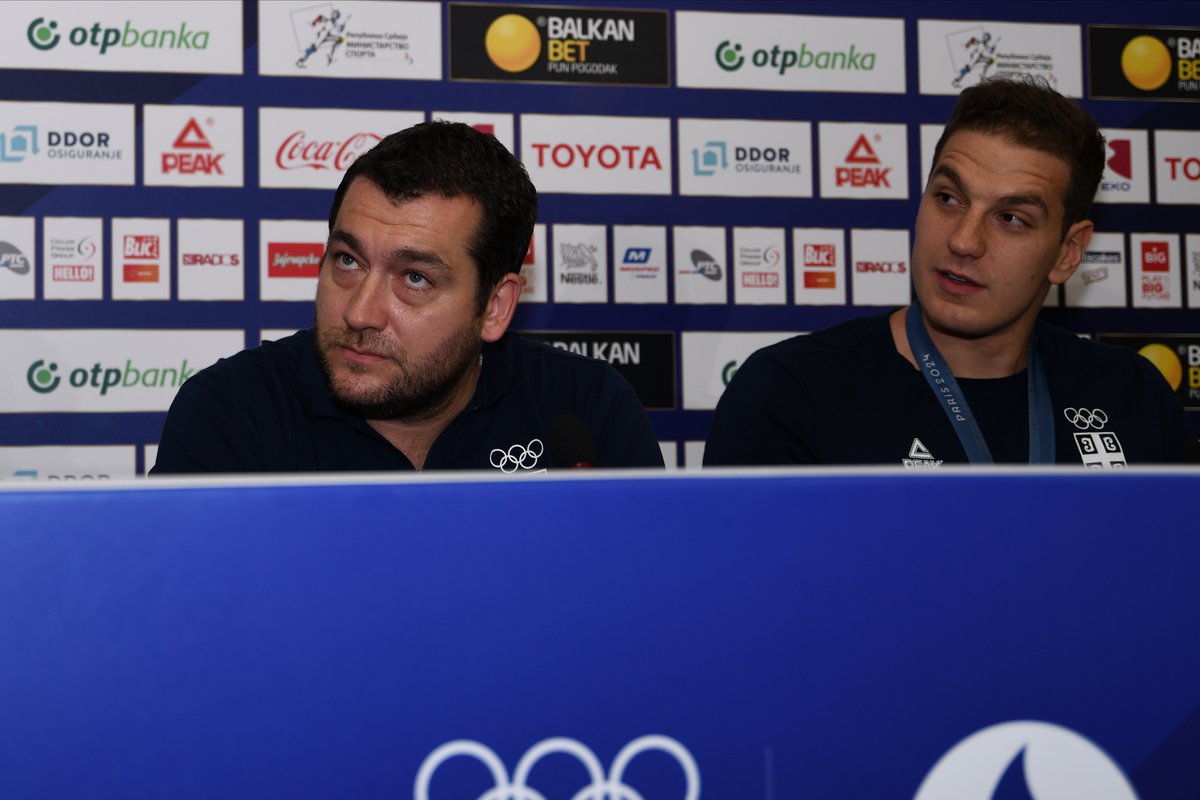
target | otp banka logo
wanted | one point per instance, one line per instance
(601, 787)
(1036, 760)
(45, 36)
(44, 377)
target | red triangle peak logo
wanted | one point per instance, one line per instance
(191, 137)
(862, 153)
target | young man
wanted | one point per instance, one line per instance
(408, 365)
(967, 373)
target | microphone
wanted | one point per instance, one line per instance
(570, 442)
(1190, 452)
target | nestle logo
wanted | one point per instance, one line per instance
(820, 255)
(896, 267)
(141, 247)
(294, 259)
(760, 280)
(637, 255)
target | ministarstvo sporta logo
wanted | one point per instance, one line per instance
(46, 35)
(44, 377)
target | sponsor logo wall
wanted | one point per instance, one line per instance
(354, 39)
(645, 358)
(711, 359)
(50, 463)
(689, 192)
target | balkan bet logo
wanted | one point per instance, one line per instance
(1140, 63)
(862, 153)
(294, 259)
(140, 250)
(300, 152)
(192, 152)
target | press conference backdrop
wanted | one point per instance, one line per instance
(713, 177)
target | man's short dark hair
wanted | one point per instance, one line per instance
(1029, 113)
(455, 160)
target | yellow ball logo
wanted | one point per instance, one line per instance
(1167, 362)
(513, 43)
(1146, 62)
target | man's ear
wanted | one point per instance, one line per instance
(500, 306)
(1071, 252)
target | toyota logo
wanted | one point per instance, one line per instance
(1083, 418)
(524, 456)
(601, 787)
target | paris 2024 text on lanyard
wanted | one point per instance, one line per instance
(954, 403)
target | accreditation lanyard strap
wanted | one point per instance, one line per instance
(945, 388)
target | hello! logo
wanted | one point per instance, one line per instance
(1032, 759)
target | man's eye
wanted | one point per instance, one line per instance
(945, 198)
(344, 261)
(416, 280)
(1014, 220)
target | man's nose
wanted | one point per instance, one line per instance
(967, 238)
(367, 307)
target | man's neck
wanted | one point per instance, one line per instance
(996, 355)
(415, 438)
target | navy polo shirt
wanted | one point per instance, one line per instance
(269, 410)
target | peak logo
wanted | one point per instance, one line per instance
(875, 163)
(1038, 760)
(861, 153)
(193, 146)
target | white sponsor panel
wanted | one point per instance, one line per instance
(18, 258)
(670, 454)
(578, 154)
(1154, 259)
(275, 334)
(68, 463)
(639, 263)
(62, 144)
(192, 146)
(149, 457)
(123, 37)
(700, 267)
(350, 39)
(310, 148)
(499, 125)
(72, 258)
(745, 158)
(930, 136)
(759, 267)
(141, 259)
(1177, 167)
(1191, 268)
(789, 52)
(819, 255)
(289, 258)
(534, 269)
(211, 260)
(1126, 177)
(104, 370)
(956, 54)
(580, 264)
(693, 455)
(879, 266)
(710, 361)
(1100, 280)
(864, 160)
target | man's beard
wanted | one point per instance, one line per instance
(420, 391)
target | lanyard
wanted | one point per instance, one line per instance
(954, 403)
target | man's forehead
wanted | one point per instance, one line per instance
(983, 146)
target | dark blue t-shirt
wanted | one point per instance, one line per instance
(269, 410)
(844, 395)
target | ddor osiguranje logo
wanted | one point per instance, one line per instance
(600, 787)
(1050, 761)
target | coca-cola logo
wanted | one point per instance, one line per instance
(298, 151)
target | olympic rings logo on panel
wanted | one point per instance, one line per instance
(610, 787)
(1083, 418)
(523, 456)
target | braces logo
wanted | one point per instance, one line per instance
(611, 786)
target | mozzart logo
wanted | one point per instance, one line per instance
(1026, 759)
(730, 58)
(600, 785)
(47, 34)
(45, 377)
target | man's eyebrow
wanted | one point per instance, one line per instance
(950, 175)
(401, 255)
(1012, 200)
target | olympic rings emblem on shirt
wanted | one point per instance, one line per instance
(610, 787)
(524, 456)
(1083, 418)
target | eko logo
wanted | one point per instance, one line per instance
(601, 786)
(1026, 759)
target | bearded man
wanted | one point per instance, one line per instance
(409, 364)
